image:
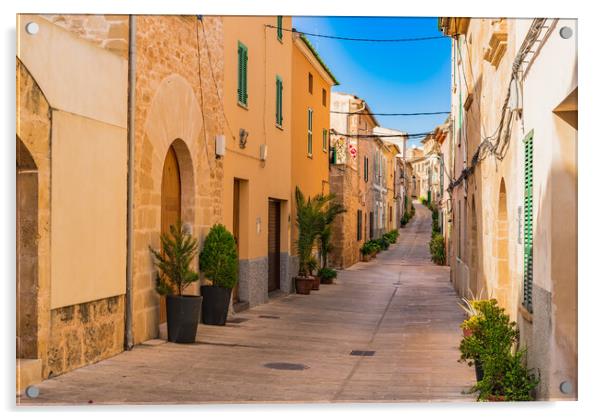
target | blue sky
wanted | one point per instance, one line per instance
(391, 77)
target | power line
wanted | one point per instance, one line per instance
(398, 114)
(381, 135)
(343, 38)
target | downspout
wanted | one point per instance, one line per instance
(129, 338)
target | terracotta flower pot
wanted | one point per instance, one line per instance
(303, 285)
(327, 281)
(316, 283)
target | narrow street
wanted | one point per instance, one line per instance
(399, 305)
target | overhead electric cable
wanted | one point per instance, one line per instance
(397, 114)
(342, 38)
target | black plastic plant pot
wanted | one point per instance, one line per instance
(182, 317)
(216, 300)
(478, 367)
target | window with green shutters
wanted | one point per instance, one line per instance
(242, 74)
(278, 101)
(324, 140)
(310, 124)
(528, 223)
(279, 25)
(365, 168)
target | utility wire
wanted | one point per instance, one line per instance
(343, 38)
(381, 135)
(399, 114)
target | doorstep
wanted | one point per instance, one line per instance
(276, 294)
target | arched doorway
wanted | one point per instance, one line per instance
(27, 253)
(171, 203)
(503, 275)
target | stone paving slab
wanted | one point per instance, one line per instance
(398, 305)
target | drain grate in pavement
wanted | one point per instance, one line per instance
(362, 353)
(237, 320)
(269, 316)
(286, 366)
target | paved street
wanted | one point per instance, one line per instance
(399, 305)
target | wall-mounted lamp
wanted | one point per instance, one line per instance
(220, 146)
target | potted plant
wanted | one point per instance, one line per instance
(312, 266)
(174, 275)
(219, 263)
(308, 227)
(492, 344)
(327, 275)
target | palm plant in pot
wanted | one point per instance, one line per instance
(219, 263)
(174, 275)
(308, 227)
(329, 211)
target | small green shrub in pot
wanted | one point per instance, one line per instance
(327, 275)
(178, 250)
(491, 347)
(219, 263)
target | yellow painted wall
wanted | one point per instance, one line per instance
(309, 172)
(88, 235)
(267, 57)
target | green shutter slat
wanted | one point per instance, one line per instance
(244, 71)
(279, 32)
(240, 77)
(528, 226)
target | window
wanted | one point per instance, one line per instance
(279, 26)
(528, 223)
(324, 140)
(278, 101)
(242, 74)
(359, 225)
(365, 168)
(324, 97)
(310, 123)
(371, 225)
(311, 83)
(390, 214)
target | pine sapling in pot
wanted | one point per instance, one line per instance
(178, 249)
(219, 263)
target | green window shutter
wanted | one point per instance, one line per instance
(324, 139)
(528, 225)
(242, 73)
(278, 100)
(279, 31)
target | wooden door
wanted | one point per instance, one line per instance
(170, 203)
(273, 245)
(236, 229)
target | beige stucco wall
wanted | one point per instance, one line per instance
(550, 332)
(89, 169)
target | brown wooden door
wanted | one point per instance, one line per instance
(236, 228)
(170, 203)
(273, 245)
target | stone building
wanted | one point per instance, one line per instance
(396, 142)
(103, 167)
(514, 186)
(310, 134)
(350, 174)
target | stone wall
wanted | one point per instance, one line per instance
(85, 333)
(33, 138)
(177, 99)
(107, 31)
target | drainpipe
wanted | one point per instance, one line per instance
(129, 338)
